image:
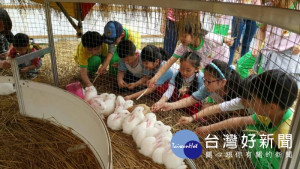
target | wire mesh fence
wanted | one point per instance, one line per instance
(234, 81)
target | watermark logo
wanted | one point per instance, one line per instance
(185, 144)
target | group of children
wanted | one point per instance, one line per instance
(152, 69)
(12, 46)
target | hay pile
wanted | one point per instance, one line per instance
(34, 143)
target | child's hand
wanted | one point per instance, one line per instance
(166, 106)
(6, 64)
(228, 40)
(296, 50)
(122, 84)
(254, 53)
(185, 120)
(3, 55)
(183, 91)
(157, 106)
(102, 70)
(131, 86)
(203, 131)
(25, 69)
(151, 83)
(115, 65)
(127, 98)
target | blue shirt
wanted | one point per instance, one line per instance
(165, 77)
(137, 71)
(200, 94)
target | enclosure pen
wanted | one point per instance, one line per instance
(53, 128)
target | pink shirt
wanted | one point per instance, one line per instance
(278, 39)
(211, 47)
(224, 20)
(170, 14)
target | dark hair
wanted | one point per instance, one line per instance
(275, 86)
(194, 29)
(194, 60)
(7, 25)
(91, 39)
(126, 48)
(151, 53)
(20, 40)
(244, 87)
(232, 77)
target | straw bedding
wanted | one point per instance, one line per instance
(125, 154)
(27, 142)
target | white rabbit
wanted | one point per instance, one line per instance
(90, 92)
(96, 104)
(148, 146)
(108, 104)
(114, 121)
(120, 101)
(149, 121)
(130, 122)
(140, 132)
(156, 129)
(6, 88)
(171, 161)
(128, 103)
(103, 96)
(165, 132)
(122, 104)
(158, 153)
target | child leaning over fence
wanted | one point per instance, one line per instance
(184, 82)
(89, 54)
(221, 83)
(21, 46)
(208, 46)
(272, 93)
(152, 59)
(131, 71)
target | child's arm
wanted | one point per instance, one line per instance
(157, 106)
(26, 69)
(161, 71)
(233, 123)
(140, 82)
(120, 77)
(137, 94)
(84, 77)
(34, 64)
(186, 102)
(111, 50)
(232, 105)
(102, 69)
(166, 96)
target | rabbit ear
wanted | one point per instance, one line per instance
(141, 115)
(117, 116)
(102, 105)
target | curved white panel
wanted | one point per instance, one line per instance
(52, 103)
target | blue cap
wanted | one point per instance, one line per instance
(112, 31)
